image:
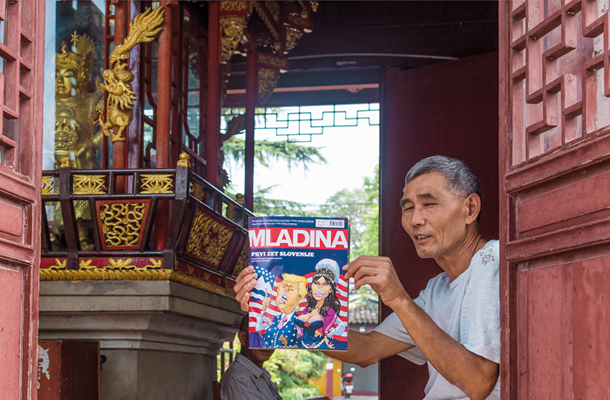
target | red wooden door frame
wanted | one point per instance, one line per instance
(555, 218)
(448, 109)
(21, 101)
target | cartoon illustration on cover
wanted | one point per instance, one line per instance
(300, 300)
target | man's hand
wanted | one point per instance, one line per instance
(379, 273)
(246, 280)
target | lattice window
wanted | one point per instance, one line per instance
(301, 123)
(16, 79)
(554, 100)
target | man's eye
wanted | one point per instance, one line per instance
(430, 204)
(405, 209)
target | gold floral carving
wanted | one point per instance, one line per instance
(152, 272)
(89, 184)
(267, 81)
(242, 261)
(233, 5)
(117, 80)
(181, 277)
(153, 184)
(198, 192)
(232, 31)
(292, 35)
(208, 240)
(273, 61)
(48, 183)
(117, 270)
(122, 223)
(298, 20)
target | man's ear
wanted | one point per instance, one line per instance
(473, 208)
(243, 338)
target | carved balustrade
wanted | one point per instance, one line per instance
(92, 231)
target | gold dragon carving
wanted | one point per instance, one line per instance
(117, 80)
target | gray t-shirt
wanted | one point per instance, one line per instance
(468, 309)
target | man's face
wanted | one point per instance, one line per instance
(434, 218)
(257, 356)
(288, 296)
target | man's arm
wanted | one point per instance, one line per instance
(474, 375)
(365, 349)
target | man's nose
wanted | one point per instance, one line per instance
(417, 217)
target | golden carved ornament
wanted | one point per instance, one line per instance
(117, 80)
(230, 213)
(184, 160)
(89, 184)
(48, 185)
(198, 192)
(292, 35)
(273, 61)
(122, 223)
(208, 240)
(153, 184)
(117, 270)
(234, 5)
(267, 81)
(242, 261)
(64, 162)
(152, 272)
(232, 31)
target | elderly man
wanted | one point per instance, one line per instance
(453, 324)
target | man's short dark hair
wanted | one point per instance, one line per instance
(462, 180)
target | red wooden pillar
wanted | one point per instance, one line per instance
(251, 97)
(121, 21)
(164, 110)
(213, 96)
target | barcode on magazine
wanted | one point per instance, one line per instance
(330, 223)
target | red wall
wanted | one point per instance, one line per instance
(448, 109)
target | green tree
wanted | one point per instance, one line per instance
(361, 206)
(291, 369)
(265, 206)
(370, 236)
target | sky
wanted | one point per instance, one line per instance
(351, 153)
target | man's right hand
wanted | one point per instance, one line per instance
(246, 281)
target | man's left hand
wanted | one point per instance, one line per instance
(379, 273)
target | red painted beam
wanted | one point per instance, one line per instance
(213, 97)
(164, 109)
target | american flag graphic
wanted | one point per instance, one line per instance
(267, 283)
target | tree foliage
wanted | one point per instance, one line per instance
(266, 151)
(290, 368)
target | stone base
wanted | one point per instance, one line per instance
(160, 338)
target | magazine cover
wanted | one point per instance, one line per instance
(300, 299)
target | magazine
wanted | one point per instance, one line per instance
(300, 298)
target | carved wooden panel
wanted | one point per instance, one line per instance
(555, 212)
(21, 83)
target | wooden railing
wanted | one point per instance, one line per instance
(104, 218)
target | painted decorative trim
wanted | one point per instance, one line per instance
(125, 269)
(89, 184)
